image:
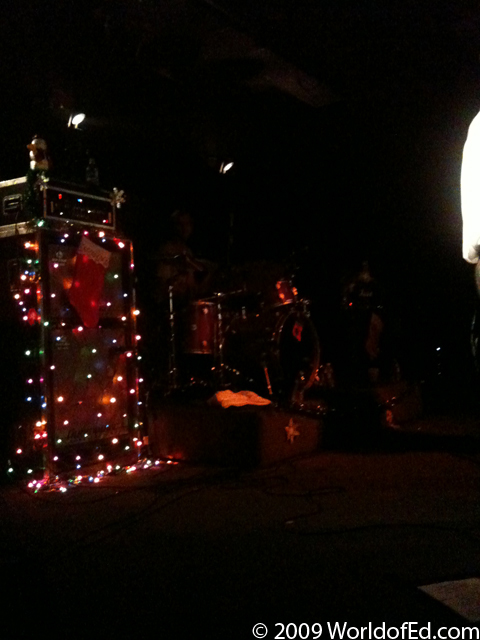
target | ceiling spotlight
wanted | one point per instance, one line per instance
(226, 166)
(76, 119)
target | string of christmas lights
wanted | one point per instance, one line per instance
(83, 398)
(62, 485)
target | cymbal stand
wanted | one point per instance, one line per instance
(218, 346)
(172, 353)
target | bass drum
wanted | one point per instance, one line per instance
(276, 347)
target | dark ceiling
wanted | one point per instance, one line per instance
(163, 63)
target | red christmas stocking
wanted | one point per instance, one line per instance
(90, 268)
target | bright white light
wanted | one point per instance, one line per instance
(226, 166)
(76, 119)
(470, 192)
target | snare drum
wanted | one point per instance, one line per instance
(201, 327)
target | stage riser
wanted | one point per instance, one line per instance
(235, 436)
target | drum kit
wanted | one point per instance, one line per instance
(261, 340)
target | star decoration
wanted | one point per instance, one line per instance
(117, 197)
(291, 431)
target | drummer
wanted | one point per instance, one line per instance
(177, 267)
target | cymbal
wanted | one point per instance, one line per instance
(225, 295)
(173, 259)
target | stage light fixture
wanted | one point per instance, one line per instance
(226, 166)
(76, 119)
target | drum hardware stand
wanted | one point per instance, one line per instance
(298, 391)
(172, 355)
(218, 346)
(267, 377)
